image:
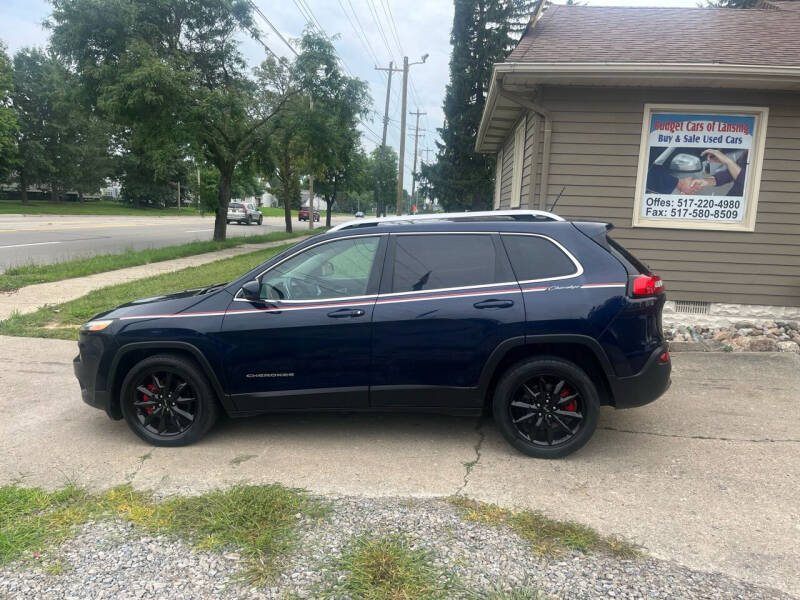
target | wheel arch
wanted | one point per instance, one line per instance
(584, 351)
(131, 354)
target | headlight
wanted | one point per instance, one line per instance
(96, 325)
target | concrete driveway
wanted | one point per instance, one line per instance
(708, 476)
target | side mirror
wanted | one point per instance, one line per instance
(252, 290)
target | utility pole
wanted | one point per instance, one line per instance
(401, 158)
(379, 206)
(416, 145)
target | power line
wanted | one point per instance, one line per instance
(278, 33)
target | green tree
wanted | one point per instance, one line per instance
(61, 143)
(172, 74)
(483, 33)
(8, 116)
(383, 169)
(316, 134)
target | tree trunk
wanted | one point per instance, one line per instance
(23, 186)
(328, 206)
(287, 210)
(223, 198)
(80, 197)
(54, 197)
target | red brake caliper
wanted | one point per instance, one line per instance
(146, 398)
(571, 406)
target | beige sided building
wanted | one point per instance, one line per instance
(679, 126)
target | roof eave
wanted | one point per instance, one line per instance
(689, 74)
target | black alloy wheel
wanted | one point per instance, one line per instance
(546, 407)
(167, 401)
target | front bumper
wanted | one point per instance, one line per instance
(644, 387)
(91, 366)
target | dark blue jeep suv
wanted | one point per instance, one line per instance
(539, 320)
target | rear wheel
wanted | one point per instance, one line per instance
(249, 220)
(260, 220)
(546, 407)
(167, 401)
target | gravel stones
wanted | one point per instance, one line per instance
(111, 559)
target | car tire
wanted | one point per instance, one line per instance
(163, 375)
(228, 222)
(260, 220)
(531, 422)
(249, 221)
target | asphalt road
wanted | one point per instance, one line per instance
(41, 239)
(707, 476)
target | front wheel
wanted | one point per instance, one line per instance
(546, 407)
(260, 220)
(167, 401)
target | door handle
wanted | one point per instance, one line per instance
(493, 303)
(343, 313)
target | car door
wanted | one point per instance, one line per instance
(306, 343)
(447, 301)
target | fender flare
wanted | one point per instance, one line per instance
(506, 346)
(166, 346)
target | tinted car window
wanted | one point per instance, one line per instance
(427, 262)
(535, 257)
(333, 270)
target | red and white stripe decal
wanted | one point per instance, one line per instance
(387, 299)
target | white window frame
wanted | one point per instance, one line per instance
(498, 179)
(756, 160)
(519, 157)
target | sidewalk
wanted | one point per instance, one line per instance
(32, 297)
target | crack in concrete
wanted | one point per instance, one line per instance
(144, 457)
(705, 437)
(468, 466)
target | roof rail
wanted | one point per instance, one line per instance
(485, 215)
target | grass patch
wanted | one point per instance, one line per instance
(260, 521)
(62, 320)
(31, 519)
(101, 207)
(17, 277)
(388, 568)
(547, 536)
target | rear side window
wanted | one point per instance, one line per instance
(632, 264)
(534, 257)
(427, 262)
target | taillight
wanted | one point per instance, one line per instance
(647, 285)
(664, 358)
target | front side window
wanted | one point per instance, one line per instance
(335, 269)
(534, 257)
(428, 262)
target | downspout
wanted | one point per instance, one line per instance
(548, 135)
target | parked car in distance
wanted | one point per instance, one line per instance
(359, 215)
(302, 215)
(537, 319)
(244, 213)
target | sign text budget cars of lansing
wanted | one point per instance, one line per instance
(699, 167)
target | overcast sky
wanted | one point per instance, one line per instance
(367, 30)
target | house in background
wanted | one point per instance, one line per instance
(679, 126)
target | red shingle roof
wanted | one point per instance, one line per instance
(594, 34)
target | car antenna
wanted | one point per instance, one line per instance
(557, 198)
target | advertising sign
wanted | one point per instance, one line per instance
(699, 167)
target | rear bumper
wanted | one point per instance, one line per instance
(644, 387)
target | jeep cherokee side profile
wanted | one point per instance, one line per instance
(536, 319)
